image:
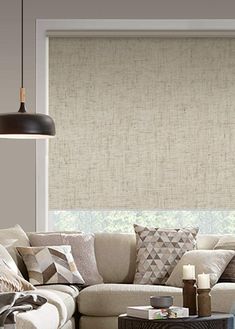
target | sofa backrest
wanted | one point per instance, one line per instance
(116, 254)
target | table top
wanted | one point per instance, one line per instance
(213, 317)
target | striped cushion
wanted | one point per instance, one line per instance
(52, 264)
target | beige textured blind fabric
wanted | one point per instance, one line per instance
(142, 123)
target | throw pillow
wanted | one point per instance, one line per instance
(12, 237)
(212, 262)
(6, 257)
(83, 250)
(48, 265)
(229, 273)
(227, 242)
(11, 281)
(159, 250)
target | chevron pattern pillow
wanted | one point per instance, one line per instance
(159, 250)
(50, 265)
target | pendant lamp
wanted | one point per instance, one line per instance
(23, 125)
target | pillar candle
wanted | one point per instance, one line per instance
(203, 281)
(188, 272)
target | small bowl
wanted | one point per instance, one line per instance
(161, 301)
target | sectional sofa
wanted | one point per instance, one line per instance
(98, 306)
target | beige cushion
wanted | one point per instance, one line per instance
(112, 299)
(226, 242)
(68, 289)
(48, 265)
(223, 297)
(4, 255)
(207, 241)
(116, 256)
(159, 250)
(212, 262)
(82, 249)
(10, 281)
(223, 300)
(15, 237)
(229, 273)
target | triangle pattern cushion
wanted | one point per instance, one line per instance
(159, 250)
(49, 265)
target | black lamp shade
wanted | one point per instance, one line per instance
(25, 125)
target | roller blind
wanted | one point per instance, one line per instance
(142, 123)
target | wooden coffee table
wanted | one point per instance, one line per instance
(216, 321)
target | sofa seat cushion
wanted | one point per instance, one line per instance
(112, 299)
(223, 297)
(98, 322)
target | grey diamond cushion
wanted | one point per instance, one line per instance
(159, 250)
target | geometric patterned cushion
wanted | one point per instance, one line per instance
(159, 250)
(49, 265)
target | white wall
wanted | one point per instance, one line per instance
(17, 158)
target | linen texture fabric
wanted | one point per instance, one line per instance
(146, 129)
(48, 265)
(212, 262)
(159, 250)
(10, 281)
(83, 250)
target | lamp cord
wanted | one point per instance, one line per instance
(22, 90)
(22, 43)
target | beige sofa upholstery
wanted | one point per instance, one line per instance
(113, 298)
(99, 305)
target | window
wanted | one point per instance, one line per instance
(122, 221)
